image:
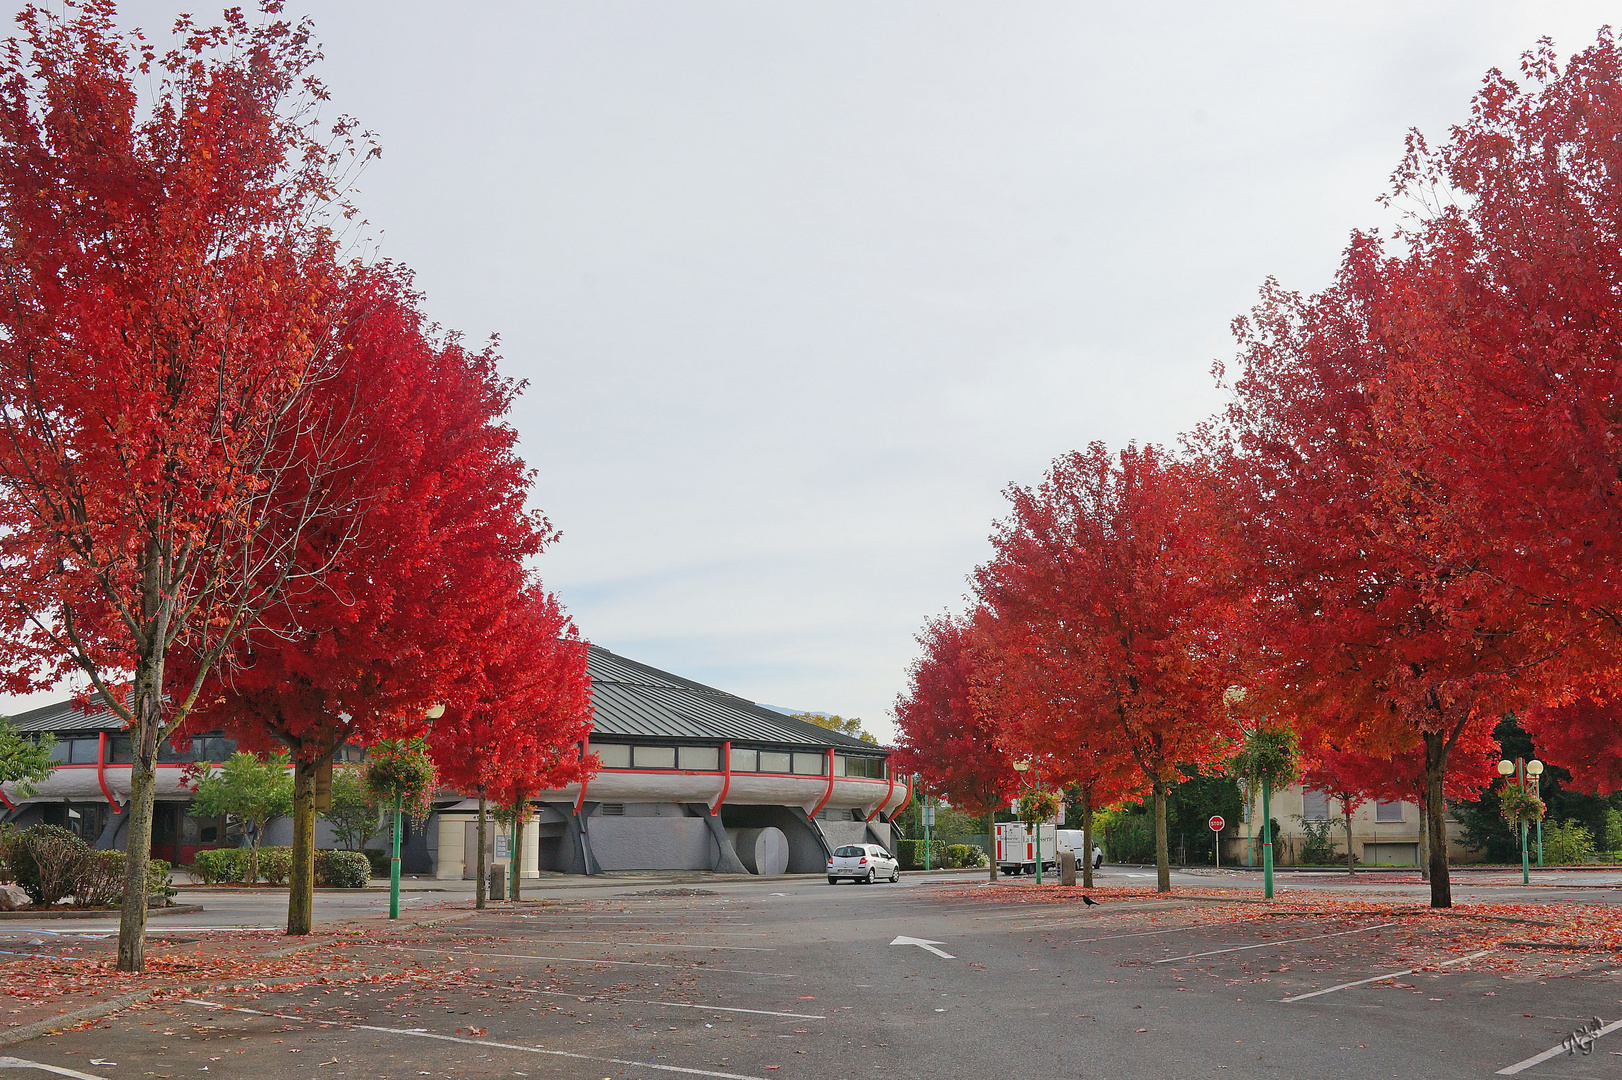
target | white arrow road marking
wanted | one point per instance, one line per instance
(923, 944)
(20, 1063)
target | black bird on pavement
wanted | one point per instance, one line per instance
(1089, 901)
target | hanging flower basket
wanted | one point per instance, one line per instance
(401, 768)
(1037, 806)
(1518, 805)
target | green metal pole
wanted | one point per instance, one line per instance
(1267, 838)
(1039, 853)
(1538, 781)
(1520, 775)
(394, 866)
(927, 833)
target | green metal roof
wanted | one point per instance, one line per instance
(634, 700)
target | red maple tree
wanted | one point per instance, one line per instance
(411, 583)
(1115, 577)
(169, 298)
(516, 722)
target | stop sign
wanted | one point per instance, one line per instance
(1216, 823)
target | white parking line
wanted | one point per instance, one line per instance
(591, 960)
(23, 1063)
(1554, 1051)
(665, 1004)
(1146, 933)
(1268, 944)
(651, 944)
(419, 1034)
(1382, 978)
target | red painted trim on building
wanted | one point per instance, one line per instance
(884, 801)
(826, 795)
(904, 802)
(101, 772)
(726, 784)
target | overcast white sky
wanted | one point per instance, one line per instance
(799, 288)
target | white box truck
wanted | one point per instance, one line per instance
(1016, 848)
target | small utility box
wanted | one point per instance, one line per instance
(498, 882)
(1067, 867)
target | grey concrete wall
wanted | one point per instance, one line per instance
(652, 843)
(840, 833)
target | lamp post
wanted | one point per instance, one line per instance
(1022, 766)
(433, 713)
(1521, 769)
(1535, 769)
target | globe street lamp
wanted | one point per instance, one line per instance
(1534, 768)
(433, 713)
(1521, 769)
(1022, 766)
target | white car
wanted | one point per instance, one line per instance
(862, 863)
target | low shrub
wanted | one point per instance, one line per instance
(47, 861)
(101, 880)
(910, 854)
(342, 869)
(1566, 842)
(160, 882)
(219, 866)
(275, 865)
(379, 860)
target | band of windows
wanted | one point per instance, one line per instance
(708, 759)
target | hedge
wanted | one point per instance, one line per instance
(333, 869)
(342, 869)
(50, 864)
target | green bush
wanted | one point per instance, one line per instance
(1567, 842)
(959, 856)
(101, 880)
(1128, 838)
(275, 864)
(1318, 843)
(910, 854)
(47, 862)
(220, 866)
(160, 882)
(342, 869)
(379, 860)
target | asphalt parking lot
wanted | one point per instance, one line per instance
(795, 978)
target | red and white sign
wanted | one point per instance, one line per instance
(1216, 823)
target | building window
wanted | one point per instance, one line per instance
(772, 761)
(839, 765)
(1314, 805)
(655, 757)
(701, 758)
(1388, 811)
(614, 755)
(872, 768)
(808, 764)
(745, 761)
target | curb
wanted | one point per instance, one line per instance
(111, 913)
(17, 1035)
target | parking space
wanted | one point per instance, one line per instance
(796, 978)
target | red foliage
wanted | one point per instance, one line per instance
(1107, 599)
(516, 720)
(948, 736)
(1582, 735)
(405, 602)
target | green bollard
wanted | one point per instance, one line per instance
(1267, 839)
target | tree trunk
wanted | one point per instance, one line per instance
(301, 875)
(520, 812)
(991, 839)
(1436, 818)
(1424, 841)
(1087, 840)
(479, 872)
(148, 710)
(1351, 865)
(1162, 851)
